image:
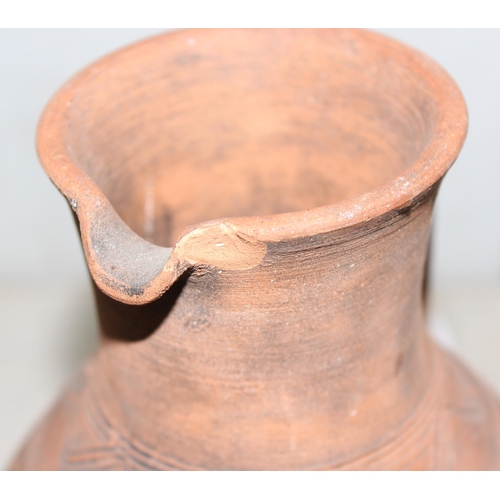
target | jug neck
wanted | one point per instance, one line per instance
(307, 360)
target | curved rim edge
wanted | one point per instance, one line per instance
(87, 199)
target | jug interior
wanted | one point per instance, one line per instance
(203, 125)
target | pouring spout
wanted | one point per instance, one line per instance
(125, 266)
(134, 271)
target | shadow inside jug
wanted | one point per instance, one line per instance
(245, 123)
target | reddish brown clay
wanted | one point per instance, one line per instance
(288, 331)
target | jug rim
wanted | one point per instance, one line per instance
(245, 237)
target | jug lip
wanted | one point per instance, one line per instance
(405, 190)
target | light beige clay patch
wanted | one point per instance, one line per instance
(221, 246)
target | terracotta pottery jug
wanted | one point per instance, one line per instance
(254, 207)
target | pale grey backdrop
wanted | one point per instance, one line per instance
(47, 324)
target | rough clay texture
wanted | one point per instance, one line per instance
(287, 332)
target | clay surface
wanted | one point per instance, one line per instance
(254, 207)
